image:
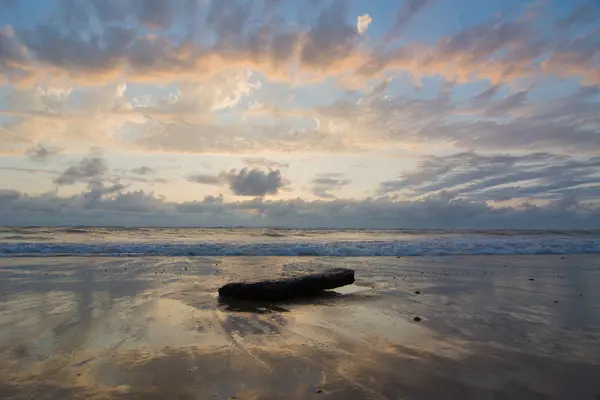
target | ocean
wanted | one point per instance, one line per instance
(190, 242)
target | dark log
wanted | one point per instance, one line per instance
(287, 288)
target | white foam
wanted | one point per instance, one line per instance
(434, 246)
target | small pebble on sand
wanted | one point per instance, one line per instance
(531, 279)
(417, 292)
(417, 319)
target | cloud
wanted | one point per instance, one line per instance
(406, 12)
(8, 195)
(183, 121)
(88, 169)
(472, 176)
(254, 182)
(143, 171)
(331, 39)
(245, 137)
(28, 170)
(206, 179)
(363, 23)
(244, 182)
(40, 153)
(224, 90)
(506, 105)
(263, 162)
(97, 191)
(581, 14)
(323, 184)
(139, 208)
(499, 51)
(260, 37)
(155, 14)
(13, 57)
(567, 124)
(575, 57)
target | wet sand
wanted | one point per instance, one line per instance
(493, 327)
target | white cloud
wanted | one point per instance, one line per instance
(363, 23)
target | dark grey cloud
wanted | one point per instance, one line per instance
(437, 211)
(89, 168)
(156, 14)
(228, 19)
(7, 195)
(487, 38)
(12, 53)
(485, 97)
(244, 182)
(98, 190)
(324, 184)
(332, 38)
(206, 179)
(112, 10)
(502, 177)
(143, 171)
(100, 52)
(41, 153)
(254, 182)
(584, 13)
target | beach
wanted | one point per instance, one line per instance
(491, 327)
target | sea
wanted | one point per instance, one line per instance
(190, 242)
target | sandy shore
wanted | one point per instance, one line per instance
(493, 327)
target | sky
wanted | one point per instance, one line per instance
(316, 113)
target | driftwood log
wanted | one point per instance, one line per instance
(287, 288)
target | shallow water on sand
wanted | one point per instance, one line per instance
(514, 327)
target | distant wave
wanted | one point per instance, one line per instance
(277, 232)
(421, 247)
(26, 237)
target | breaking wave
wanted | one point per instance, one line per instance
(414, 247)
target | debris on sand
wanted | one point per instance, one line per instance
(287, 288)
(531, 279)
(417, 292)
(417, 319)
